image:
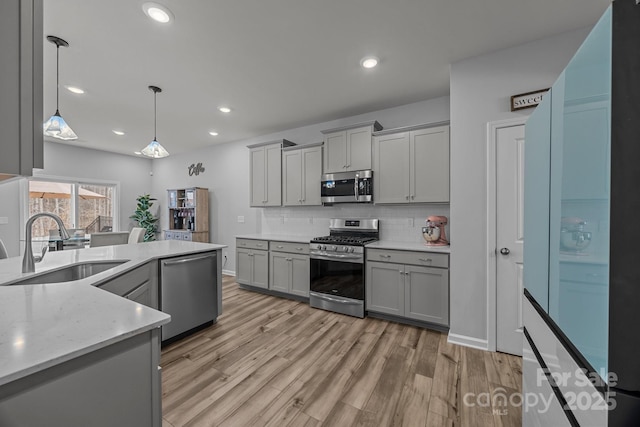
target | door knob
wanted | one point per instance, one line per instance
(505, 251)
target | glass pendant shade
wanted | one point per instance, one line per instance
(155, 150)
(56, 127)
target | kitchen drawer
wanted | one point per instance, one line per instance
(252, 244)
(127, 282)
(584, 272)
(294, 248)
(427, 259)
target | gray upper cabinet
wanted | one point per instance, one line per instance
(349, 148)
(266, 173)
(301, 171)
(411, 165)
(21, 115)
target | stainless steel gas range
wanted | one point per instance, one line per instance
(337, 265)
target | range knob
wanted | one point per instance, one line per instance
(351, 249)
(334, 248)
(322, 247)
(346, 248)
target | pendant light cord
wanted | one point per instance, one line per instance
(57, 78)
(155, 115)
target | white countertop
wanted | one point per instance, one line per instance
(408, 246)
(277, 237)
(44, 325)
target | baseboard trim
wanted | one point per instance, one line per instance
(468, 341)
(229, 273)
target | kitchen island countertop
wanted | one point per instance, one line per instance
(277, 237)
(44, 325)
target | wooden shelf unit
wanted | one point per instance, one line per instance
(188, 214)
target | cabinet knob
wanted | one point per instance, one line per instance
(413, 196)
(406, 197)
(505, 251)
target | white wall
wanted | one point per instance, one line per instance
(227, 178)
(480, 93)
(62, 160)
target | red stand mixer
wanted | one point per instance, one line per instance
(434, 231)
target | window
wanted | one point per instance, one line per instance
(83, 207)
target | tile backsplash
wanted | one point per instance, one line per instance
(400, 223)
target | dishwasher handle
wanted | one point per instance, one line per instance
(187, 260)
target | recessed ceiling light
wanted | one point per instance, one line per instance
(74, 89)
(369, 61)
(157, 12)
(137, 152)
(224, 109)
(213, 133)
(118, 132)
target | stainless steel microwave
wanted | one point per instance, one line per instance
(347, 187)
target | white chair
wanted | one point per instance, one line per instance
(109, 238)
(3, 251)
(136, 235)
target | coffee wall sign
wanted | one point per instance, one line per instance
(195, 169)
(527, 100)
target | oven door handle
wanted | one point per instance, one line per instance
(334, 299)
(340, 258)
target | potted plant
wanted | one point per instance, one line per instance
(145, 218)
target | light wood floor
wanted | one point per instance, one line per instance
(275, 362)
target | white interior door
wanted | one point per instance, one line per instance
(509, 237)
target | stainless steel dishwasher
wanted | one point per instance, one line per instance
(188, 289)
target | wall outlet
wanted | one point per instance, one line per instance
(4, 220)
(241, 219)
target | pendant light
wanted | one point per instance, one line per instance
(56, 127)
(154, 149)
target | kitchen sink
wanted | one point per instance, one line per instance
(71, 272)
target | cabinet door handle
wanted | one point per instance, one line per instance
(289, 259)
(413, 196)
(385, 256)
(279, 246)
(406, 273)
(259, 245)
(505, 251)
(298, 249)
(243, 244)
(406, 197)
(249, 254)
(425, 259)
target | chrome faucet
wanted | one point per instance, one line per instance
(28, 262)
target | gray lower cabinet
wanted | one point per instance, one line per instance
(414, 292)
(139, 285)
(118, 385)
(252, 262)
(289, 273)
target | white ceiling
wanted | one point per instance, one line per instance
(278, 64)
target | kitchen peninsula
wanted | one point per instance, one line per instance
(78, 352)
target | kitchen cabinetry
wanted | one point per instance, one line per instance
(252, 262)
(348, 148)
(265, 170)
(188, 215)
(301, 171)
(411, 165)
(21, 78)
(412, 285)
(289, 268)
(139, 285)
(116, 385)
